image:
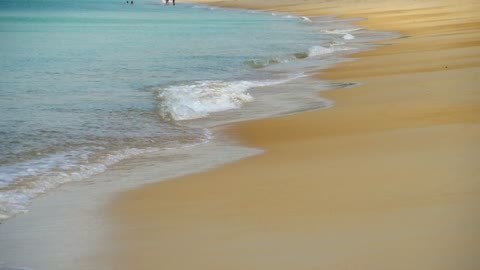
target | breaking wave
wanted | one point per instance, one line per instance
(201, 98)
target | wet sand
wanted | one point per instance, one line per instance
(387, 179)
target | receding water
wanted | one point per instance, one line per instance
(85, 84)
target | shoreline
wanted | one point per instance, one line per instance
(89, 197)
(268, 86)
(385, 179)
(77, 227)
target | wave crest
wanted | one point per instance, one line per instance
(197, 100)
(319, 50)
(201, 98)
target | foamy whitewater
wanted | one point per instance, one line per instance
(86, 84)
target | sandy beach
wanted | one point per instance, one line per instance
(387, 179)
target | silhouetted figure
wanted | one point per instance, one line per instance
(173, 2)
(131, 2)
(166, 2)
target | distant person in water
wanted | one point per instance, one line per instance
(173, 2)
(166, 2)
(131, 2)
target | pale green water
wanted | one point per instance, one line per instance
(85, 84)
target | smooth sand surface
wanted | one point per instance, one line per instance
(387, 179)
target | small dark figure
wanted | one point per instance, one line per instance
(173, 2)
(166, 2)
(131, 2)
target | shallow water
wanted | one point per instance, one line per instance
(112, 96)
(86, 84)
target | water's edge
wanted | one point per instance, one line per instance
(70, 221)
(167, 115)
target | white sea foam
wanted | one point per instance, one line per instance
(341, 31)
(303, 18)
(336, 44)
(290, 16)
(348, 36)
(307, 19)
(320, 50)
(201, 98)
(36, 177)
(345, 33)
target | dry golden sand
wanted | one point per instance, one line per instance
(387, 179)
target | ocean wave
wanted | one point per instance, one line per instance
(345, 33)
(301, 55)
(306, 19)
(197, 100)
(256, 63)
(23, 181)
(290, 16)
(341, 31)
(35, 177)
(320, 50)
(205, 7)
(201, 98)
(348, 36)
(263, 63)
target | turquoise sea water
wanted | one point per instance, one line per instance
(85, 84)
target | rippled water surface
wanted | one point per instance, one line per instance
(85, 84)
